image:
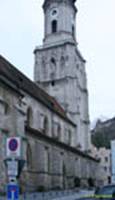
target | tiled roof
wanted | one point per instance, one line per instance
(23, 83)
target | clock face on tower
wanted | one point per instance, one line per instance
(54, 12)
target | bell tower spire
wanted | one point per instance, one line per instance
(59, 20)
(60, 68)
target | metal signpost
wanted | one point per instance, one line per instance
(14, 166)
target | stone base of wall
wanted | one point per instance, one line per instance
(31, 182)
(57, 182)
(37, 182)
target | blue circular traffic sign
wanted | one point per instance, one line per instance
(13, 144)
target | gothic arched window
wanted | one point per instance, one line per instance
(45, 126)
(59, 132)
(54, 26)
(29, 156)
(56, 130)
(69, 137)
(64, 174)
(47, 160)
(29, 121)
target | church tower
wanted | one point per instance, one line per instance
(59, 20)
(60, 68)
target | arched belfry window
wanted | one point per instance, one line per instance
(73, 30)
(62, 61)
(54, 26)
(62, 64)
(53, 61)
(44, 70)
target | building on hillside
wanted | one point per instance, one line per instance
(113, 161)
(51, 113)
(101, 125)
(104, 172)
(103, 133)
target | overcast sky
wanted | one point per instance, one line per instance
(21, 29)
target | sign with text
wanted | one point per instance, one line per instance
(13, 147)
(12, 167)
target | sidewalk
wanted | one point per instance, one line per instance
(82, 193)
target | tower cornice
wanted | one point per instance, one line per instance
(48, 2)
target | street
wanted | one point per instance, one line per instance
(55, 195)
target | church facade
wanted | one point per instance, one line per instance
(50, 114)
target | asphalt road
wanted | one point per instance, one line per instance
(55, 195)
